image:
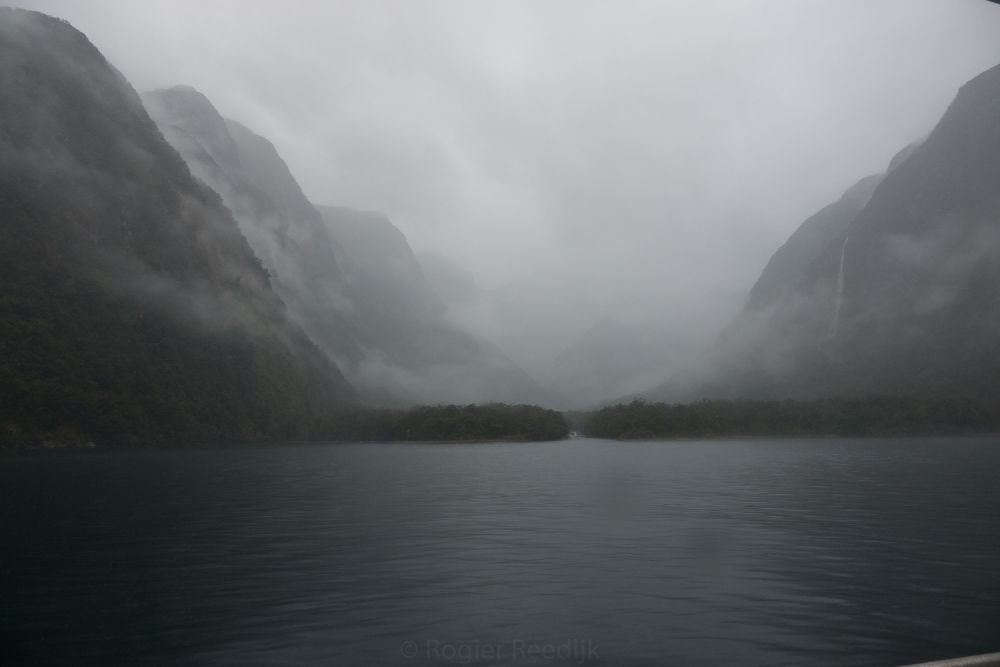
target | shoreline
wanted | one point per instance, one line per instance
(92, 446)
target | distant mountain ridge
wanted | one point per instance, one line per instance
(350, 278)
(131, 308)
(893, 290)
(401, 317)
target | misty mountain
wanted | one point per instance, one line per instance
(413, 345)
(787, 266)
(616, 356)
(895, 289)
(282, 228)
(582, 363)
(455, 285)
(349, 278)
(131, 307)
(390, 295)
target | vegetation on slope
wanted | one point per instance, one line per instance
(131, 308)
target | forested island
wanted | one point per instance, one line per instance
(458, 423)
(867, 416)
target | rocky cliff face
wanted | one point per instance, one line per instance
(892, 290)
(131, 307)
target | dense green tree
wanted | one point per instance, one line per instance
(492, 421)
(835, 416)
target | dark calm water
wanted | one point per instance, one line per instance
(741, 552)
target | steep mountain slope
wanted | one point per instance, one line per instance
(391, 297)
(786, 267)
(412, 345)
(131, 308)
(454, 284)
(898, 296)
(349, 278)
(279, 223)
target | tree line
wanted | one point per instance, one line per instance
(833, 416)
(491, 421)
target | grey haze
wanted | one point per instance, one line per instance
(583, 163)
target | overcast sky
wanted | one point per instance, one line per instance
(638, 152)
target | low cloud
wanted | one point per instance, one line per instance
(580, 159)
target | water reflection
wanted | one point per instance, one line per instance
(825, 552)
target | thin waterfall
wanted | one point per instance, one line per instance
(840, 289)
